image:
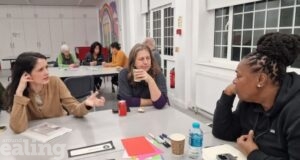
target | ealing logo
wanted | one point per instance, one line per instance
(23, 147)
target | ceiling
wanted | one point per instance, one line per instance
(52, 2)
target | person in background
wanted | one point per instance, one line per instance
(119, 59)
(66, 59)
(266, 123)
(142, 83)
(150, 42)
(93, 58)
(33, 94)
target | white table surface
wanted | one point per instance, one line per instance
(83, 71)
(102, 126)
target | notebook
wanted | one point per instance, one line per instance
(45, 132)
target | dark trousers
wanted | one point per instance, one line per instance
(114, 80)
(97, 82)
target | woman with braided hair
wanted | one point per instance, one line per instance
(266, 123)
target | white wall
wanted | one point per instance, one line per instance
(134, 24)
(184, 55)
(213, 4)
(159, 3)
(45, 28)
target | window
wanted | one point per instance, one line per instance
(249, 22)
(157, 28)
(221, 33)
(163, 28)
(242, 30)
(168, 31)
(163, 33)
(148, 24)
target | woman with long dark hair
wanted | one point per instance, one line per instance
(33, 94)
(93, 58)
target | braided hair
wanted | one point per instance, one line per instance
(275, 51)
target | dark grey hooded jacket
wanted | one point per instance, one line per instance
(276, 131)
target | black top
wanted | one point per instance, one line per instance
(276, 132)
(90, 58)
(133, 93)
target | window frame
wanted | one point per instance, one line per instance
(252, 29)
(161, 46)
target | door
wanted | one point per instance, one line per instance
(5, 42)
(44, 37)
(79, 32)
(31, 35)
(68, 33)
(56, 34)
(92, 30)
(17, 36)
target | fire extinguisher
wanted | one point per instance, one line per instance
(172, 78)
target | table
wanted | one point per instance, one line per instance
(102, 126)
(83, 71)
(12, 59)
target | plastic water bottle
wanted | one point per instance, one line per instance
(195, 142)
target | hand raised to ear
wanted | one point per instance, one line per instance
(25, 78)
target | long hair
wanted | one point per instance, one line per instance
(93, 47)
(25, 62)
(153, 71)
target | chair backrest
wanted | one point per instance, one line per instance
(81, 52)
(80, 86)
(2, 90)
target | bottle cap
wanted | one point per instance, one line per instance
(196, 125)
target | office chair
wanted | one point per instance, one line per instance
(80, 87)
(2, 90)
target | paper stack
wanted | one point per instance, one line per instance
(45, 132)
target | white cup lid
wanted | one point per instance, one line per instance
(177, 137)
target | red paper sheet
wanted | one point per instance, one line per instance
(137, 146)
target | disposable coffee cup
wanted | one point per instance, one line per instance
(134, 75)
(177, 143)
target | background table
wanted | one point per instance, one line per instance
(12, 59)
(83, 71)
